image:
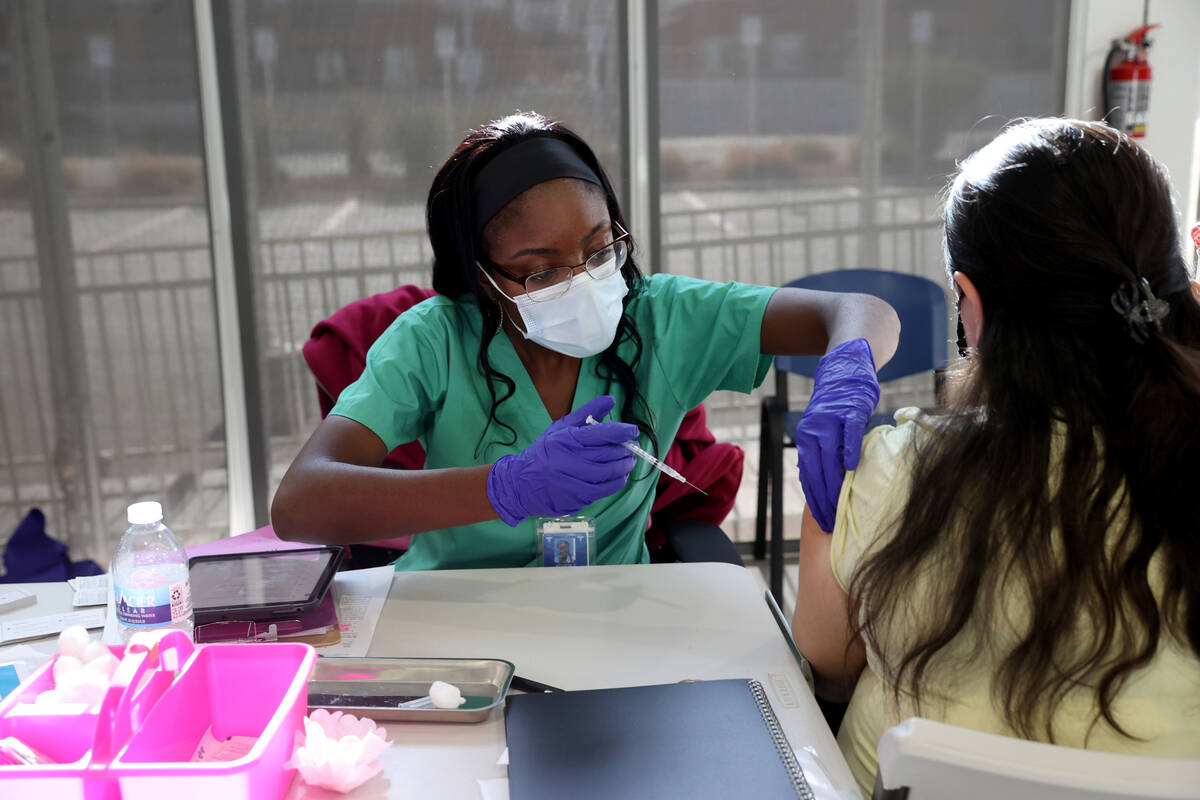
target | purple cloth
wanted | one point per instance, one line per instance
(255, 541)
(31, 556)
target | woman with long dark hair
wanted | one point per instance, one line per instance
(543, 322)
(1025, 560)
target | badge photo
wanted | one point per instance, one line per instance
(566, 541)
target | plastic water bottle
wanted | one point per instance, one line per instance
(150, 575)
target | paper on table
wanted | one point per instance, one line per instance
(88, 582)
(90, 597)
(112, 634)
(493, 788)
(91, 590)
(28, 656)
(12, 599)
(360, 595)
(35, 627)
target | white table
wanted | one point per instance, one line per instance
(52, 598)
(583, 628)
(574, 628)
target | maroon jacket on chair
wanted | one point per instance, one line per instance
(336, 353)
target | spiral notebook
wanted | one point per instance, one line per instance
(706, 739)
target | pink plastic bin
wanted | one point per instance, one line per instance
(65, 738)
(258, 690)
(79, 741)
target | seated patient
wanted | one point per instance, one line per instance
(1026, 559)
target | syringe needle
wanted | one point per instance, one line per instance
(654, 462)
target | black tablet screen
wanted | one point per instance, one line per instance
(252, 579)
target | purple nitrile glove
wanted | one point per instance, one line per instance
(570, 465)
(829, 435)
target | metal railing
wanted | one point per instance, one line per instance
(153, 365)
(774, 242)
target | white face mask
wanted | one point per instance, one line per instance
(580, 323)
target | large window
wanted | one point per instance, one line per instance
(354, 107)
(346, 111)
(107, 328)
(792, 137)
(806, 136)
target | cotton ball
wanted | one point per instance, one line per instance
(83, 686)
(104, 665)
(64, 665)
(73, 641)
(95, 650)
(68, 685)
(48, 698)
(95, 686)
(445, 695)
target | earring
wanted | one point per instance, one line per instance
(500, 327)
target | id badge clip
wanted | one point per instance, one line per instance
(566, 541)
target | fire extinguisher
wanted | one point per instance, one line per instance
(1127, 83)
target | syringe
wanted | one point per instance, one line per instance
(645, 456)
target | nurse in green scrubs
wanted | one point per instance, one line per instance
(543, 319)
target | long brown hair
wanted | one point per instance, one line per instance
(1062, 477)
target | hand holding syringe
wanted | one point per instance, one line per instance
(645, 456)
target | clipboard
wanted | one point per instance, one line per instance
(318, 627)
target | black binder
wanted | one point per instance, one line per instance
(699, 740)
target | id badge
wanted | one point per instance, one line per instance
(566, 541)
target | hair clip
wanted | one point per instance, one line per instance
(1139, 313)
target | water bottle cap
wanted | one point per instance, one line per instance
(145, 513)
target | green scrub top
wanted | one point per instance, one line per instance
(421, 381)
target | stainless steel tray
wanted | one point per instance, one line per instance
(373, 687)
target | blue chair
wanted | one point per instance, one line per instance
(921, 305)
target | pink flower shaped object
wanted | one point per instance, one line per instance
(338, 751)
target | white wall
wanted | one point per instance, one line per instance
(1172, 132)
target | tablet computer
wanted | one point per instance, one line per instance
(260, 586)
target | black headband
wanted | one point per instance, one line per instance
(524, 165)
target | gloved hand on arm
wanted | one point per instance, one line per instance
(829, 435)
(570, 465)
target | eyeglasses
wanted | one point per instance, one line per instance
(547, 284)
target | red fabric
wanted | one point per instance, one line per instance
(716, 467)
(336, 353)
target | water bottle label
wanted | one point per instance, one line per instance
(159, 605)
(181, 601)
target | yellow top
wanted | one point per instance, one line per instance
(1160, 703)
